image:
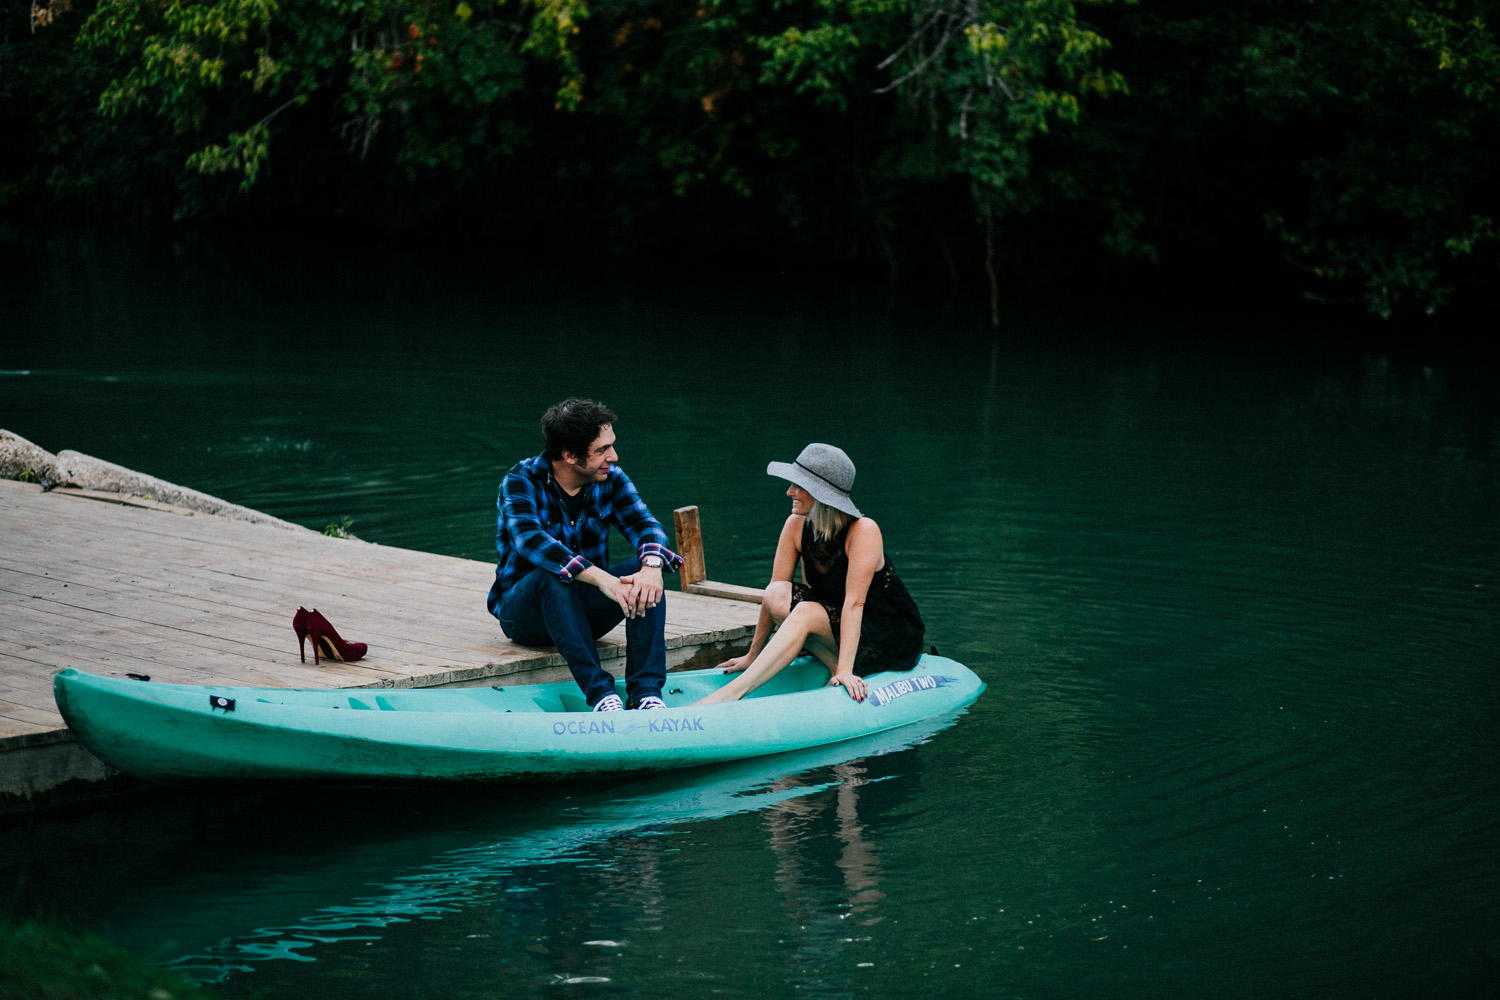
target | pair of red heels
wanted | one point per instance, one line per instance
(312, 625)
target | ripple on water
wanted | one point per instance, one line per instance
(1238, 622)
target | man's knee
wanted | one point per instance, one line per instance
(557, 603)
(552, 582)
(554, 592)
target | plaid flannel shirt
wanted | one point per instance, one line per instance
(534, 533)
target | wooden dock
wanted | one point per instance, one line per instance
(112, 584)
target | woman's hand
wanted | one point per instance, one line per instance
(854, 685)
(735, 665)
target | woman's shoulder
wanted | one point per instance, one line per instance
(862, 531)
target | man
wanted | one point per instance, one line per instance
(550, 585)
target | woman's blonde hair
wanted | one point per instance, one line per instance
(827, 521)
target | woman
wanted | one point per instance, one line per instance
(851, 611)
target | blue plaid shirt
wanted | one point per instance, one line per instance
(534, 533)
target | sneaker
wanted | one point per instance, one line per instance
(609, 703)
(649, 702)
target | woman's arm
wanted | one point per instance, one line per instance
(788, 551)
(866, 551)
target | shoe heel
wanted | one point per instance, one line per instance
(299, 625)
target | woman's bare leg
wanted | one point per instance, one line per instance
(826, 652)
(778, 600)
(806, 620)
(775, 605)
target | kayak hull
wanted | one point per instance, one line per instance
(180, 732)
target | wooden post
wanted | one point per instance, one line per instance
(689, 546)
(692, 572)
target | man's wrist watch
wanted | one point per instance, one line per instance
(653, 561)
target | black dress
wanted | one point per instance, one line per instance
(890, 634)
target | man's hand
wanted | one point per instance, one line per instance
(645, 589)
(617, 590)
(614, 587)
(635, 593)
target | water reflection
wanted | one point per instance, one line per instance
(616, 835)
(829, 908)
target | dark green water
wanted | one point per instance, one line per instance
(1234, 593)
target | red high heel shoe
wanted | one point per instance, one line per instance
(325, 638)
(299, 625)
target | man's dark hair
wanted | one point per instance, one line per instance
(572, 425)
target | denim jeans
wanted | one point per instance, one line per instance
(542, 610)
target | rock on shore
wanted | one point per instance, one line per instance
(74, 469)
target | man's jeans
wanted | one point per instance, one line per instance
(542, 610)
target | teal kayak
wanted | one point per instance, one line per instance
(184, 732)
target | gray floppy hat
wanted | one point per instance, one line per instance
(825, 472)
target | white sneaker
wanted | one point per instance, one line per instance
(609, 703)
(649, 702)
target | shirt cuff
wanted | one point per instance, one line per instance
(573, 567)
(671, 559)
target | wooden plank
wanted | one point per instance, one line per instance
(255, 541)
(30, 698)
(181, 647)
(120, 651)
(261, 609)
(26, 718)
(309, 567)
(728, 591)
(197, 625)
(84, 643)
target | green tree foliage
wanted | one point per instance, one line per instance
(1397, 93)
(434, 76)
(1347, 145)
(1351, 142)
(838, 117)
(48, 89)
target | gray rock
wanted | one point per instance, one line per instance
(17, 455)
(91, 473)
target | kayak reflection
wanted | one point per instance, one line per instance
(467, 875)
